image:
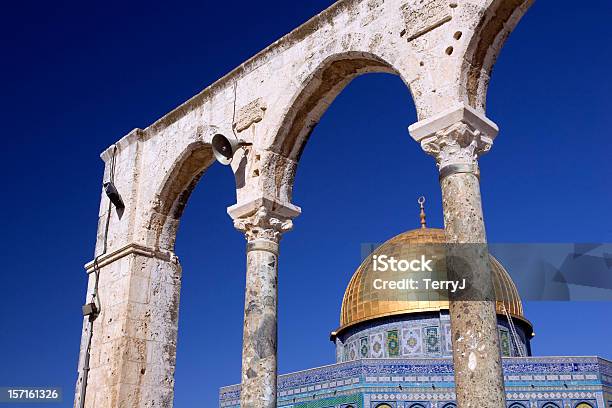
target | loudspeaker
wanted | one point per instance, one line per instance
(224, 148)
(113, 194)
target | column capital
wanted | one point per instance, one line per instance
(263, 218)
(455, 138)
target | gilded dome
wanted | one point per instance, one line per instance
(361, 302)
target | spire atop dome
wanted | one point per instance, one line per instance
(421, 202)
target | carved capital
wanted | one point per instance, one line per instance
(263, 225)
(456, 138)
(459, 144)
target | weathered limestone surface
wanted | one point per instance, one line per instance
(134, 345)
(260, 330)
(456, 138)
(263, 231)
(476, 352)
(442, 50)
(280, 94)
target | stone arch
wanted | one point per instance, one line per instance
(174, 192)
(160, 165)
(494, 27)
(317, 93)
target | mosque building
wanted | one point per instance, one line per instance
(397, 353)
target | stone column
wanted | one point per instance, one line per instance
(263, 231)
(456, 138)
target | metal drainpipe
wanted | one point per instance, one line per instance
(86, 366)
(95, 299)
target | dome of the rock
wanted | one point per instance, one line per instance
(360, 301)
(373, 326)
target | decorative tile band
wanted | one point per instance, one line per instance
(523, 376)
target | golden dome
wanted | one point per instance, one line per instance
(361, 303)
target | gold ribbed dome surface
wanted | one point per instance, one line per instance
(361, 301)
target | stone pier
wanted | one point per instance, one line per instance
(456, 138)
(133, 350)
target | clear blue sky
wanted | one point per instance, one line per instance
(79, 75)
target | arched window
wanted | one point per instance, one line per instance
(583, 405)
(384, 406)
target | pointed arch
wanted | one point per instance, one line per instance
(175, 190)
(317, 93)
(499, 20)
